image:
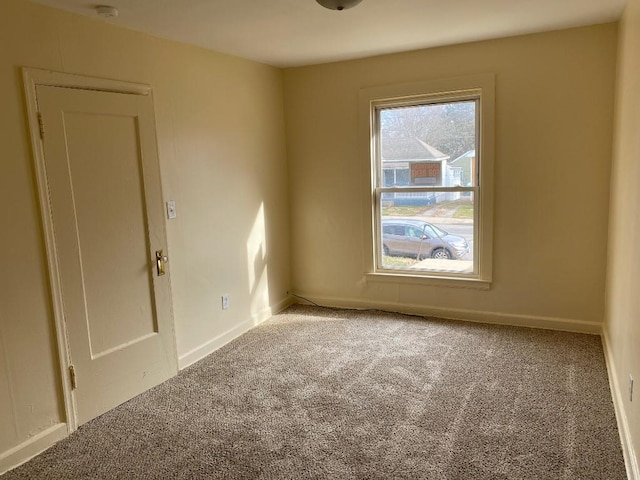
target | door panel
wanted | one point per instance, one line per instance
(104, 185)
(114, 175)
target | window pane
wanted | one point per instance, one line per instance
(402, 176)
(436, 237)
(388, 177)
(429, 145)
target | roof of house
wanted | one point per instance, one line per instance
(466, 155)
(396, 149)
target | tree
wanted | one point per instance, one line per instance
(449, 127)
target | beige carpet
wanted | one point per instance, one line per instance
(317, 393)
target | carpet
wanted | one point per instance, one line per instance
(318, 393)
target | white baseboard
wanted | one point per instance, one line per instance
(201, 351)
(549, 323)
(282, 304)
(630, 458)
(32, 447)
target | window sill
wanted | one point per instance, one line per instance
(432, 281)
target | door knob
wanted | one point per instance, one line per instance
(161, 259)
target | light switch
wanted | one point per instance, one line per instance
(171, 209)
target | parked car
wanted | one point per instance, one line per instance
(410, 237)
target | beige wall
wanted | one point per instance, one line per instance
(623, 274)
(220, 131)
(554, 111)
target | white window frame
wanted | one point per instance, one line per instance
(477, 87)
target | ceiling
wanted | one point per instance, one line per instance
(288, 33)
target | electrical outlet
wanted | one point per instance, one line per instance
(630, 388)
(225, 302)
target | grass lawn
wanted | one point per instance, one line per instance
(388, 261)
(403, 211)
(464, 211)
(462, 208)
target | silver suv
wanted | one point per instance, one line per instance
(410, 237)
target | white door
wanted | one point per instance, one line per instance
(102, 171)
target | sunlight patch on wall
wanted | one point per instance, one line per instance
(257, 267)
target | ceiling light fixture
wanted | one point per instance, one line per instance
(106, 11)
(338, 4)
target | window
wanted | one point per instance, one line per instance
(431, 161)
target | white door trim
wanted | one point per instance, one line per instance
(33, 78)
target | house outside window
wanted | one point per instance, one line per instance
(431, 163)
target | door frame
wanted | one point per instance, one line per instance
(32, 78)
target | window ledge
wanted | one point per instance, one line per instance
(439, 281)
